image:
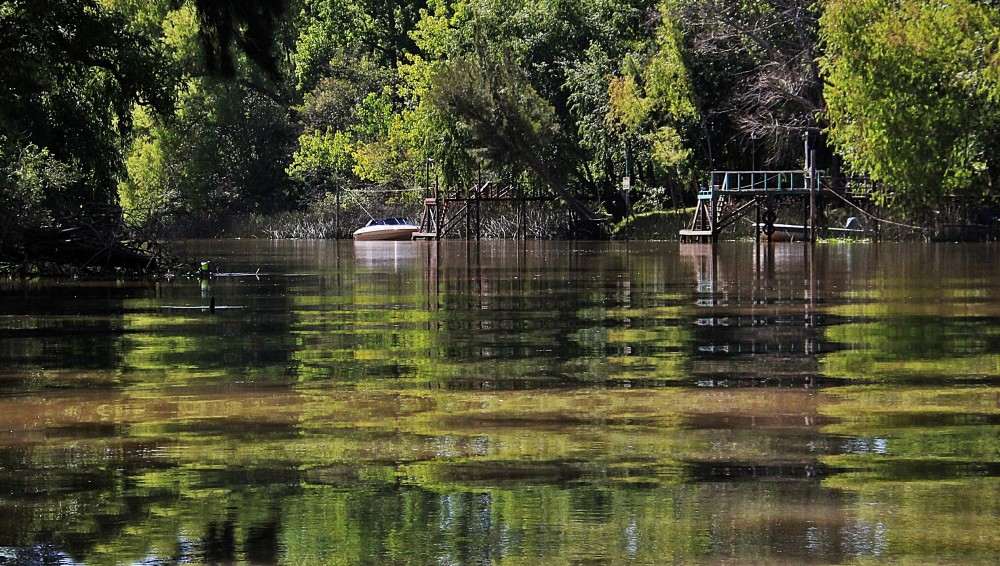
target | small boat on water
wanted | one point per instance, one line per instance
(386, 229)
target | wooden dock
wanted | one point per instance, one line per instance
(444, 213)
(732, 195)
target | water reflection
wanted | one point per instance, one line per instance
(466, 402)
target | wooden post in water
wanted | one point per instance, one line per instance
(757, 225)
(714, 217)
(807, 218)
(438, 216)
(469, 192)
(813, 189)
(520, 212)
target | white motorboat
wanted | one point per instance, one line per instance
(386, 229)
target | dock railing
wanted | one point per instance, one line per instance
(780, 182)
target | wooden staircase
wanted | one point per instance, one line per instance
(702, 226)
(714, 214)
(430, 220)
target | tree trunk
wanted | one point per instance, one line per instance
(591, 224)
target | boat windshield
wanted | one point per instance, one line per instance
(398, 221)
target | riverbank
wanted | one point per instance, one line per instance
(301, 225)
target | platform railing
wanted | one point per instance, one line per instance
(763, 181)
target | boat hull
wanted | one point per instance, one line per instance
(385, 233)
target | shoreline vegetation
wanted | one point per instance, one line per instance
(88, 250)
(550, 222)
(553, 224)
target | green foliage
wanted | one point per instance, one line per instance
(323, 154)
(504, 120)
(546, 55)
(151, 187)
(73, 73)
(498, 109)
(389, 159)
(182, 105)
(666, 79)
(327, 28)
(668, 148)
(27, 175)
(350, 78)
(223, 150)
(653, 111)
(379, 29)
(912, 94)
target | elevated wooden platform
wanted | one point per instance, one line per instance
(696, 236)
(731, 195)
(444, 212)
(696, 233)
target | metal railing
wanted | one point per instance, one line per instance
(764, 181)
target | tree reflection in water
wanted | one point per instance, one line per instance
(467, 403)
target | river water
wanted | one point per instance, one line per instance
(508, 402)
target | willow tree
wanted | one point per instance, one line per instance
(555, 56)
(913, 90)
(503, 117)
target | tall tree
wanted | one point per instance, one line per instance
(652, 108)
(225, 148)
(553, 48)
(506, 120)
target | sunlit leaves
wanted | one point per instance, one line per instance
(328, 27)
(226, 144)
(27, 176)
(909, 93)
(669, 149)
(652, 103)
(322, 152)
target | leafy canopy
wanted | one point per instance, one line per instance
(912, 94)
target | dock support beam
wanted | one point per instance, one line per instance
(813, 189)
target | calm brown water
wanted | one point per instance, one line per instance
(539, 403)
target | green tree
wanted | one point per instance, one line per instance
(225, 147)
(504, 117)
(353, 131)
(913, 95)
(652, 108)
(73, 72)
(376, 30)
(550, 51)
